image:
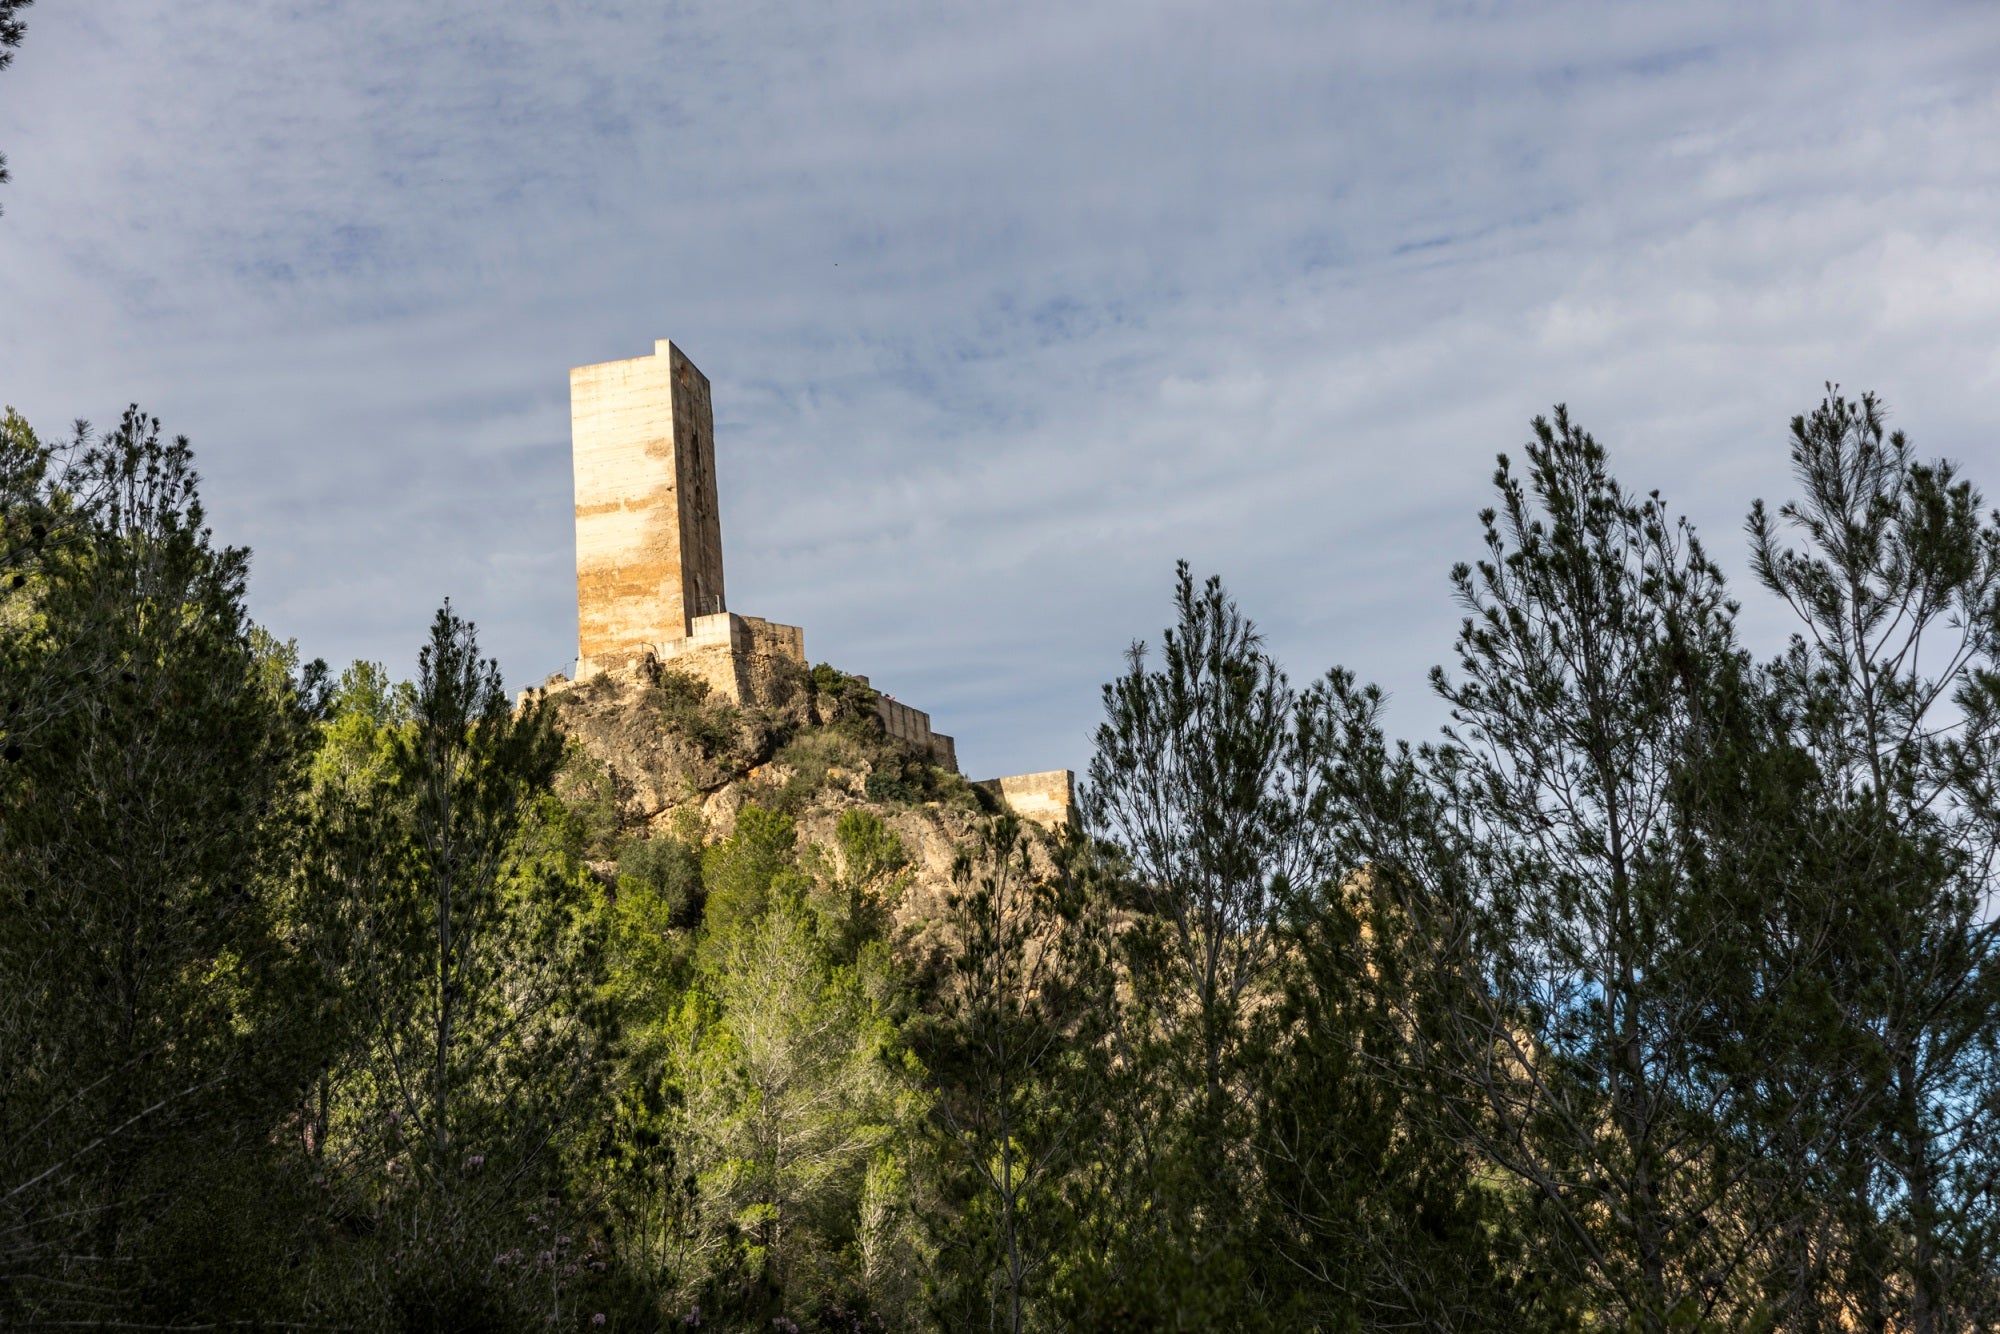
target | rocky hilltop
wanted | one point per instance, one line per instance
(658, 753)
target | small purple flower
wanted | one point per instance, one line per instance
(597, 1319)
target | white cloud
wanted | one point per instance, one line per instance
(1006, 307)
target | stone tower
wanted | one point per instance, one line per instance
(649, 558)
(649, 568)
(648, 533)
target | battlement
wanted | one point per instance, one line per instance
(912, 727)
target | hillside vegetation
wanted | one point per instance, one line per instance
(1659, 992)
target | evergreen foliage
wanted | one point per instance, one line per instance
(12, 30)
(1014, 1048)
(1587, 974)
(1897, 587)
(155, 755)
(1658, 993)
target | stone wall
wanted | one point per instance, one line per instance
(1048, 799)
(699, 510)
(912, 727)
(746, 659)
(648, 529)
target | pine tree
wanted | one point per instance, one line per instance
(155, 746)
(12, 30)
(451, 914)
(1385, 1217)
(1897, 585)
(1575, 972)
(1013, 1048)
(760, 1157)
(1204, 775)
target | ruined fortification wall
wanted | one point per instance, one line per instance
(912, 727)
(745, 659)
(1046, 798)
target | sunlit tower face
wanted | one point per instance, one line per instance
(648, 528)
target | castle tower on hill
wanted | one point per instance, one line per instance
(649, 589)
(648, 530)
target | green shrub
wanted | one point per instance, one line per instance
(660, 902)
(744, 871)
(811, 755)
(587, 788)
(953, 789)
(892, 785)
(840, 698)
(683, 703)
(679, 689)
(669, 871)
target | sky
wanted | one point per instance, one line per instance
(1006, 307)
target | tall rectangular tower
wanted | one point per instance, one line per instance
(648, 533)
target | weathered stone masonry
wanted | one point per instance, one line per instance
(648, 529)
(649, 586)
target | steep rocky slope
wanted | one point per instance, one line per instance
(655, 753)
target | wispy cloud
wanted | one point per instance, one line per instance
(1005, 307)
